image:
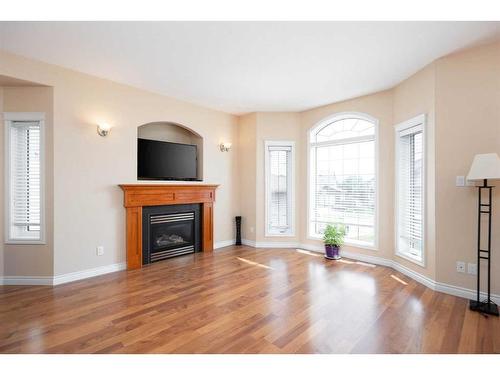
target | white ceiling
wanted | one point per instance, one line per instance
(243, 67)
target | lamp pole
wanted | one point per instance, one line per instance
(487, 306)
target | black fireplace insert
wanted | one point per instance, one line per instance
(169, 231)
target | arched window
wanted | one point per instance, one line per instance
(343, 177)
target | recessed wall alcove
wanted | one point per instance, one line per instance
(172, 132)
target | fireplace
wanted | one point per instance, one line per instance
(170, 231)
(139, 197)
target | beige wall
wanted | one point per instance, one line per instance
(248, 167)
(88, 203)
(32, 260)
(276, 127)
(467, 123)
(166, 132)
(415, 96)
(255, 130)
(2, 201)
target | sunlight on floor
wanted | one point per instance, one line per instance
(307, 252)
(254, 263)
(399, 280)
(366, 264)
(345, 261)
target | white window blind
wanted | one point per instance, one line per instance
(343, 179)
(279, 160)
(410, 179)
(24, 147)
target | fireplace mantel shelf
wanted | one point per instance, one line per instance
(137, 196)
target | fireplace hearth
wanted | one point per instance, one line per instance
(170, 231)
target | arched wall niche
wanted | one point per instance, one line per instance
(172, 132)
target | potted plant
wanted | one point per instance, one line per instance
(333, 237)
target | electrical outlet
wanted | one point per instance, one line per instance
(251, 229)
(472, 268)
(100, 250)
(461, 267)
(460, 181)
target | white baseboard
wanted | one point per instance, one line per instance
(464, 292)
(61, 279)
(316, 248)
(367, 258)
(248, 242)
(422, 279)
(85, 274)
(271, 245)
(25, 280)
(276, 245)
(219, 244)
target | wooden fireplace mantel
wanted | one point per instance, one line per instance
(137, 196)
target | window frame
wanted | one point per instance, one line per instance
(405, 126)
(290, 182)
(8, 119)
(310, 175)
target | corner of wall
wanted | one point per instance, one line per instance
(31, 260)
(247, 134)
(1, 187)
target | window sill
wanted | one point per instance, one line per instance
(411, 258)
(279, 235)
(25, 242)
(361, 246)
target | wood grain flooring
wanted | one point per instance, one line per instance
(243, 300)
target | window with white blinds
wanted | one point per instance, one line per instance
(24, 173)
(410, 189)
(343, 178)
(279, 188)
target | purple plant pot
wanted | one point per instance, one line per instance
(332, 252)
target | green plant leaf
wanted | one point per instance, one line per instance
(334, 235)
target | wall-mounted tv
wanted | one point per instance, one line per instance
(158, 160)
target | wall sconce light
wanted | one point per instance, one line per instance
(225, 146)
(103, 129)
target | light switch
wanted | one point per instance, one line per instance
(460, 181)
(100, 250)
(472, 268)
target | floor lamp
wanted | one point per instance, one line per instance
(484, 167)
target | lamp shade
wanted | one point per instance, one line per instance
(485, 166)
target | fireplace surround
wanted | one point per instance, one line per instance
(141, 196)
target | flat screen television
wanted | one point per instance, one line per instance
(158, 160)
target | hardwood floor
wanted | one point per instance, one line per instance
(243, 300)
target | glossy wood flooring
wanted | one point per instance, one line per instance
(243, 300)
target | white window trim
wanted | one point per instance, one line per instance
(406, 126)
(8, 118)
(291, 232)
(336, 117)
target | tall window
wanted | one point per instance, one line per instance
(343, 178)
(410, 189)
(24, 177)
(279, 160)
